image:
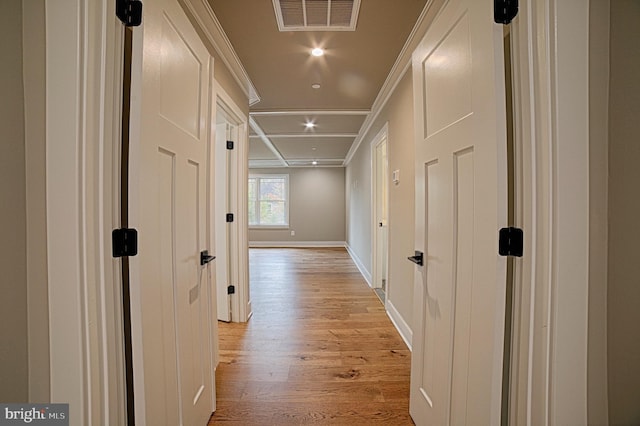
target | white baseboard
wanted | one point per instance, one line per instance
(363, 270)
(401, 325)
(295, 244)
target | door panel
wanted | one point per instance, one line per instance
(460, 205)
(462, 283)
(167, 357)
(446, 73)
(176, 314)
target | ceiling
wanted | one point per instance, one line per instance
(351, 74)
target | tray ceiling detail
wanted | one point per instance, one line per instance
(314, 110)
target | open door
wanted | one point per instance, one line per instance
(226, 135)
(175, 296)
(461, 202)
(234, 301)
(380, 181)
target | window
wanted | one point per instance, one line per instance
(269, 200)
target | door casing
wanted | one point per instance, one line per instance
(236, 182)
(380, 247)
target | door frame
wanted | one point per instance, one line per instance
(241, 309)
(84, 45)
(381, 136)
(551, 124)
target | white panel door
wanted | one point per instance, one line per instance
(460, 205)
(224, 252)
(175, 292)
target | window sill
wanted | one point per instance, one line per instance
(274, 227)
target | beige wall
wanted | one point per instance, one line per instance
(398, 113)
(13, 266)
(623, 326)
(358, 192)
(317, 206)
(401, 199)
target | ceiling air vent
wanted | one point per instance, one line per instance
(316, 15)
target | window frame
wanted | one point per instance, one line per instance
(254, 205)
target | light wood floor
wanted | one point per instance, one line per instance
(319, 348)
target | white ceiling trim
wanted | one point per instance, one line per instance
(275, 164)
(201, 12)
(400, 67)
(256, 128)
(317, 166)
(308, 135)
(311, 112)
(259, 164)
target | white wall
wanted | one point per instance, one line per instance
(316, 206)
(13, 300)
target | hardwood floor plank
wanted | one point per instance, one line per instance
(319, 348)
(269, 413)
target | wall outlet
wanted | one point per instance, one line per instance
(293, 233)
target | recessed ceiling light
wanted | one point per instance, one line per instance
(314, 162)
(315, 86)
(317, 52)
(309, 125)
(313, 148)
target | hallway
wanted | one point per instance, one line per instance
(319, 348)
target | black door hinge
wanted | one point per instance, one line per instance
(511, 242)
(129, 12)
(229, 144)
(231, 289)
(124, 242)
(504, 11)
(229, 217)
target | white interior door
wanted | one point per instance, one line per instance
(175, 293)
(381, 214)
(461, 196)
(225, 276)
(231, 197)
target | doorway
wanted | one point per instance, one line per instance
(226, 133)
(232, 283)
(380, 211)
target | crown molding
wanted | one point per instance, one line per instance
(201, 14)
(399, 69)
